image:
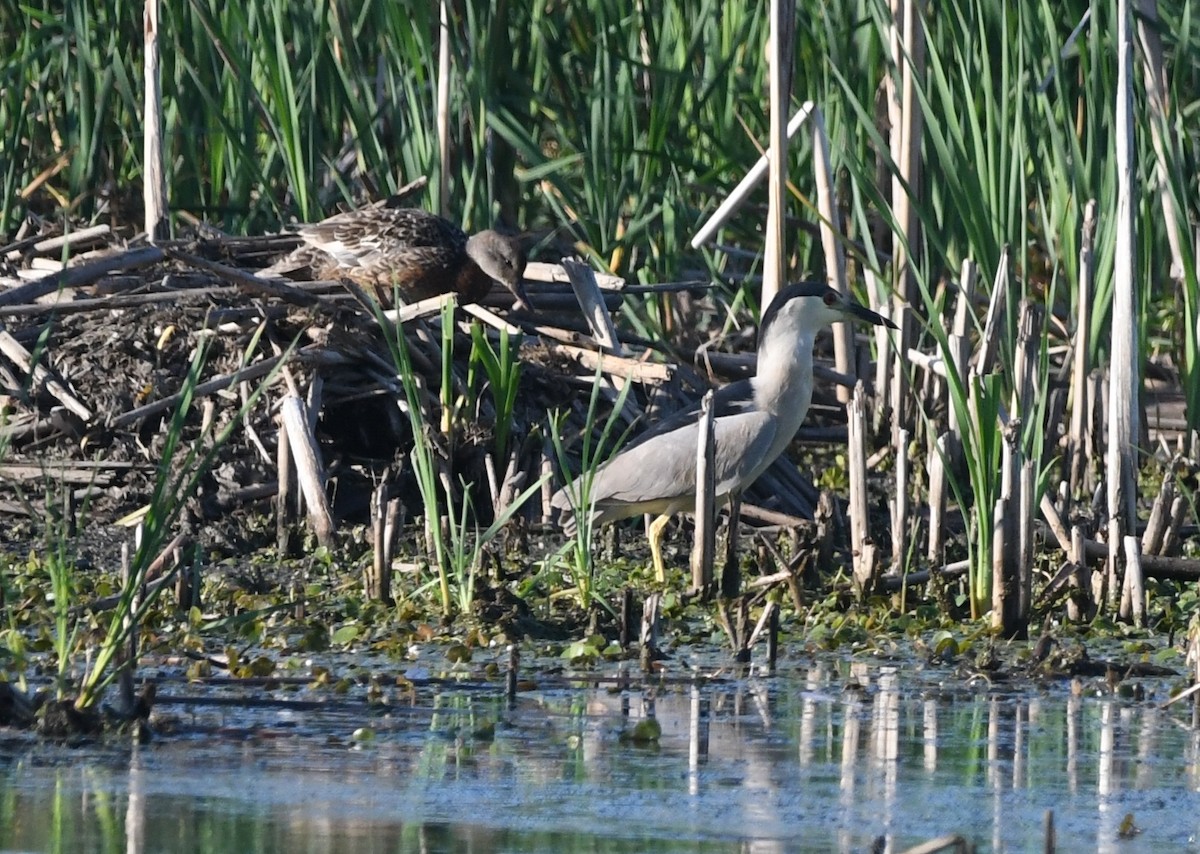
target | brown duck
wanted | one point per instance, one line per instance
(418, 253)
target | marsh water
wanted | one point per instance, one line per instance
(825, 755)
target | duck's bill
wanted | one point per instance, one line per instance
(518, 291)
(864, 313)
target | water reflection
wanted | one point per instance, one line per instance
(831, 756)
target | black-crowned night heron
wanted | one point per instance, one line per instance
(658, 474)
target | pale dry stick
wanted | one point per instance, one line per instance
(244, 393)
(908, 61)
(782, 23)
(1004, 544)
(377, 583)
(283, 496)
(489, 469)
(583, 282)
(764, 620)
(1133, 589)
(863, 554)
(546, 469)
(443, 108)
(1158, 104)
(900, 506)
(1179, 508)
(1121, 474)
(154, 181)
(1026, 370)
(1025, 367)
(308, 468)
(960, 352)
(937, 499)
(615, 366)
(1160, 514)
(1076, 443)
(78, 277)
(1025, 537)
(704, 544)
(514, 478)
(540, 271)
(42, 378)
(746, 186)
(316, 388)
(835, 257)
(76, 239)
(490, 318)
(1153, 566)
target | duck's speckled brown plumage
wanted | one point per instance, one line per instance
(416, 252)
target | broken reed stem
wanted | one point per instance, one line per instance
(704, 545)
(443, 108)
(1121, 473)
(1077, 442)
(309, 469)
(782, 23)
(856, 456)
(835, 257)
(154, 183)
(377, 583)
(908, 60)
(937, 499)
(960, 354)
(900, 506)
(283, 495)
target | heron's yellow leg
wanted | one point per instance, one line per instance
(655, 535)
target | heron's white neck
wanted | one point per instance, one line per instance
(783, 383)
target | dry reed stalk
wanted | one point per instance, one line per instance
(1158, 105)
(1160, 514)
(1077, 442)
(1133, 589)
(309, 470)
(443, 107)
(900, 506)
(740, 193)
(154, 182)
(1123, 372)
(591, 301)
(284, 493)
(783, 23)
(863, 553)
(908, 60)
(960, 352)
(704, 545)
(835, 257)
(937, 499)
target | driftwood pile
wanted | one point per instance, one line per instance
(93, 354)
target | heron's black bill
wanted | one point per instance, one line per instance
(864, 313)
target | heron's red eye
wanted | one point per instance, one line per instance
(830, 298)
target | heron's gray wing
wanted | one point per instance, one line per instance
(732, 399)
(742, 444)
(663, 468)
